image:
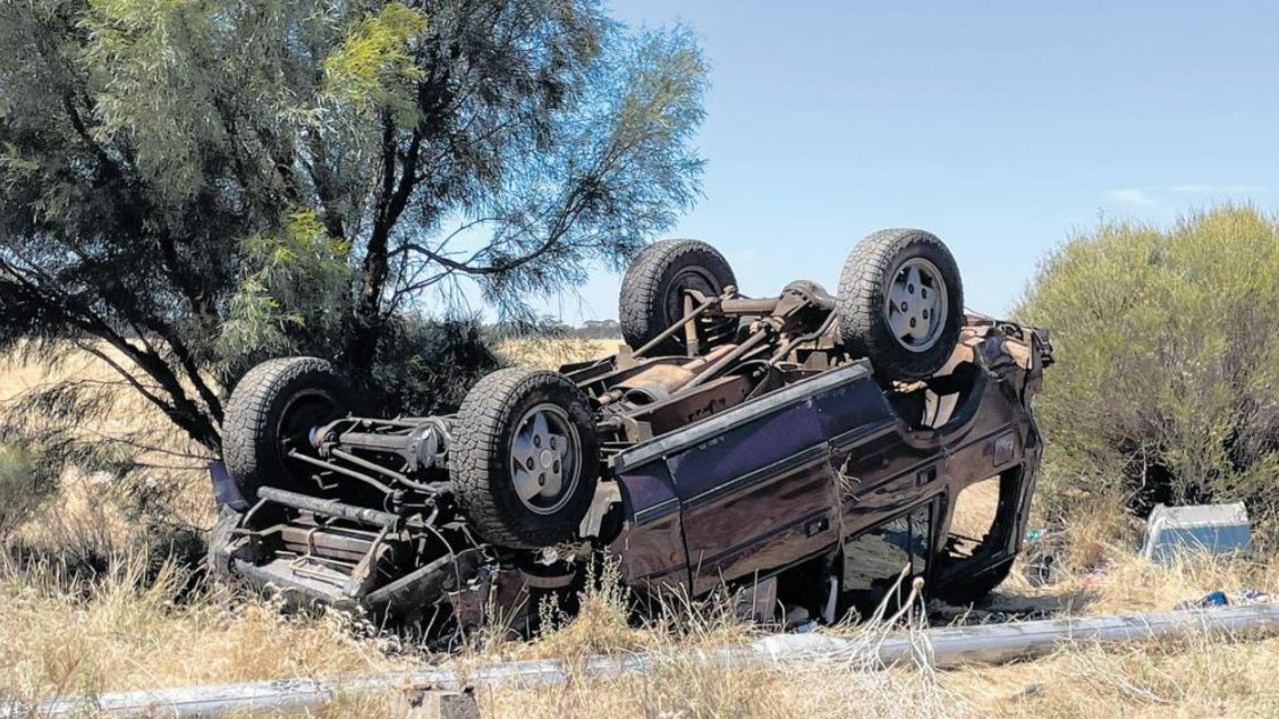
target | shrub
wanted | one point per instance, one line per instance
(427, 366)
(22, 488)
(1167, 340)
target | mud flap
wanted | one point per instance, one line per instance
(225, 492)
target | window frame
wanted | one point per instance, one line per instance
(930, 507)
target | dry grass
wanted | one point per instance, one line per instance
(681, 687)
(94, 514)
(20, 374)
(141, 625)
(125, 631)
(129, 629)
(551, 353)
(1198, 677)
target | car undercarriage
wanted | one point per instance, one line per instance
(806, 447)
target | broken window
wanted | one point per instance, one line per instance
(976, 510)
(874, 560)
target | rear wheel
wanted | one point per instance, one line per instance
(901, 303)
(526, 459)
(653, 291)
(271, 412)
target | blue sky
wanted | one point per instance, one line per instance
(1001, 126)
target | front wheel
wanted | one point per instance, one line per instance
(525, 461)
(901, 303)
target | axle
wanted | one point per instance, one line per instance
(390, 455)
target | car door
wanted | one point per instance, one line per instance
(756, 485)
(880, 562)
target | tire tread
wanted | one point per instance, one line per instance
(245, 450)
(642, 284)
(477, 455)
(863, 331)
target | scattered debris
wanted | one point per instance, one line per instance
(1029, 690)
(1221, 599)
(1211, 599)
(1251, 596)
(945, 614)
(427, 703)
(1097, 572)
(1042, 567)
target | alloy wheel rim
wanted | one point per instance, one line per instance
(917, 305)
(545, 459)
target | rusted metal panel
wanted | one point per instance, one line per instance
(653, 553)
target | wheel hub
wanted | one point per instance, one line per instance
(917, 308)
(545, 451)
(690, 279)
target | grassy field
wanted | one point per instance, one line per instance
(129, 620)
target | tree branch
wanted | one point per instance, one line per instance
(562, 225)
(126, 375)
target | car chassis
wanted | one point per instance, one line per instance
(766, 455)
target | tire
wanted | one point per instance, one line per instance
(877, 282)
(496, 426)
(652, 296)
(275, 405)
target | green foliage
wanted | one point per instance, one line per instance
(1168, 350)
(294, 285)
(425, 367)
(373, 67)
(139, 48)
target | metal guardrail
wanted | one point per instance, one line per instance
(941, 647)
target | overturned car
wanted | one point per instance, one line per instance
(808, 448)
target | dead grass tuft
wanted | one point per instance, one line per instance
(134, 628)
(1202, 675)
